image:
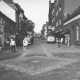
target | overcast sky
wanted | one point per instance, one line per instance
(37, 10)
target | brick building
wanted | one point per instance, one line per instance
(56, 15)
(64, 19)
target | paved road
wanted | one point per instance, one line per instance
(42, 61)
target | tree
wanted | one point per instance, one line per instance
(30, 25)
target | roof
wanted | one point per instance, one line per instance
(6, 16)
(10, 3)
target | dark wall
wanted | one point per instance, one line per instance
(9, 25)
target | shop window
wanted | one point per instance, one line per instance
(1, 21)
(77, 33)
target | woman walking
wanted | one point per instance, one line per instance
(13, 45)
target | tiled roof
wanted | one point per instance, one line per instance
(10, 3)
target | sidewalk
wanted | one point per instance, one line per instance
(67, 49)
(8, 50)
(53, 48)
(6, 54)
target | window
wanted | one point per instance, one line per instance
(53, 28)
(77, 33)
(57, 13)
(21, 15)
(1, 20)
(59, 21)
(57, 1)
(57, 24)
(59, 7)
(1, 28)
(53, 20)
(52, 11)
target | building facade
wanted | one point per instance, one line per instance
(7, 23)
(11, 17)
(66, 26)
(71, 29)
(56, 16)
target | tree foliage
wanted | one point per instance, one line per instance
(30, 25)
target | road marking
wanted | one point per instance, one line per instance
(31, 71)
(47, 52)
(23, 54)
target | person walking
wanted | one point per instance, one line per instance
(59, 41)
(13, 45)
(25, 43)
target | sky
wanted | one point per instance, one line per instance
(35, 10)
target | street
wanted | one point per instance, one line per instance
(42, 61)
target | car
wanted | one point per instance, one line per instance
(50, 39)
(28, 39)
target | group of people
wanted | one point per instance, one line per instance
(25, 43)
(13, 44)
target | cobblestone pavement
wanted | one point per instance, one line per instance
(41, 63)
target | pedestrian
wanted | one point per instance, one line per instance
(59, 42)
(13, 45)
(25, 43)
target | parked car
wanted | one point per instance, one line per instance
(50, 39)
(29, 39)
